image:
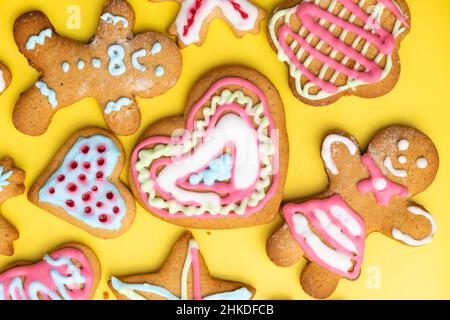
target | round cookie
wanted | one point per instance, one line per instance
(223, 164)
(367, 193)
(115, 67)
(5, 77)
(339, 48)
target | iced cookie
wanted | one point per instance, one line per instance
(81, 185)
(367, 193)
(184, 276)
(194, 17)
(221, 165)
(71, 272)
(5, 77)
(336, 48)
(11, 185)
(115, 67)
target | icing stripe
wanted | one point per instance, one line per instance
(117, 105)
(47, 92)
(39, 39)
(398, 235)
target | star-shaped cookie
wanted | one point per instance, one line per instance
(183, 276)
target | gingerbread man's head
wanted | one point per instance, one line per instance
(407, 156)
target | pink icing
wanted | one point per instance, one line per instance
(218, 188)
(196, 273)
(306, 209)
(384, 196)
(40, 272)
(378, 36)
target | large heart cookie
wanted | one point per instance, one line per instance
(81, 185)
(72, 272)
(227, 167)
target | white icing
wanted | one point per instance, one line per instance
(422, 163)
(38, 39)
(2, 82)
(65, 67)
(346, 219)
(398, 235)
(47, 92)
(379, 184)
(402, 159)
(96, 63)
(112, 19)
(81, 64)
(156, 48)
(4, 178)
(327, 155)
(117, 105)
(159, 71)
(396, 172)
(336, 259)
(403, 145)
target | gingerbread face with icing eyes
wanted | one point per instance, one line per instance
(115, 67)
(227, 168)
(406, 156)
(368, 192)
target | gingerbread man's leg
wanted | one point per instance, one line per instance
(317, 281)
(11, 185)
(282, 248)
(122, 115)
(413, 226)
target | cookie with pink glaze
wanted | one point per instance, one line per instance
(336, 48)
(368, 192)
(11, 185)
(223, 164)
(193, 19)
(5, 77)
(183, 276)
(115, 67)
(71, 272)
(82, 186)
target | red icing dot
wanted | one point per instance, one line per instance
(82, 177)
(110, 195)
(99, 175)
(87, 210)
(99, 204)
(86, 165)
(86, 197)
(85, 149)
(74, 165)
(61, 178)
(101, 148)
(103, 218)
(72, 187)
(101, 161)
(95, 188)
(51, 190)
(116, 210)
(70, 203)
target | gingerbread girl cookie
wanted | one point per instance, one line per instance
(5, 77)
(194, 17)
(82, 186)
(11, 185)
(335, 48)
(114, 68)
(184, 276)
(71, 272)
(367, 193)
(223, 164)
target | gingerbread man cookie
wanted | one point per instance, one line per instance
(5, 77)
(114, 68)
(335, 48)
(82, 186)
(223, 164)
(184, 276)
(11, 185)
(367, 193)
(194, 17)
(71, 272)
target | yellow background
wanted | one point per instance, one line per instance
(421, 98)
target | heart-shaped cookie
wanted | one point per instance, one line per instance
(81, 185)
(226, 168)
(71, 272)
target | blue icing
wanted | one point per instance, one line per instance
(47, 92)
(116, 53)
(96, 63)
(38, 39)
(65, 66)
(135, 59)
(110, 18)
(61, 194)
(117, 105)
(4, 178)
(218, 170)
(156, 48)
(81, 64)
(159, 71)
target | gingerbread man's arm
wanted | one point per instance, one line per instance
(117, 21)
(340, 154)
(121, 114)
(413, 225)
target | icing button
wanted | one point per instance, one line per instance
(379, 184)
